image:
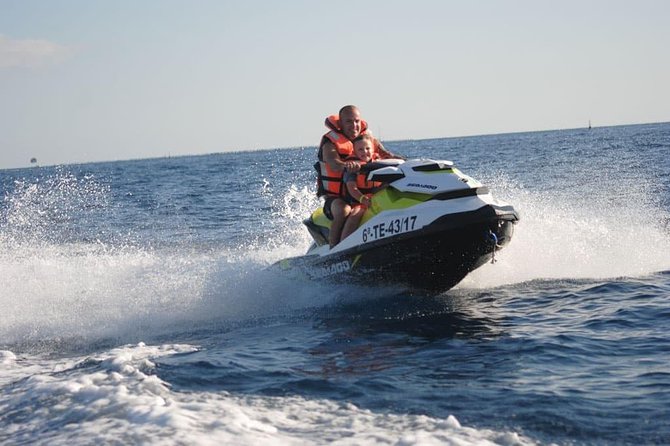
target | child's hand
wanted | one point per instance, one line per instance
(352, 166)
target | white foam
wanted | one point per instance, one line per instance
(560, 237)
(291, 238)
(35, 210)
(7, 357)
(84, 290)
(54, 289)
(116, 397)
(87, 292)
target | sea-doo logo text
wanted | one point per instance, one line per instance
(423, 186)
(329, 270)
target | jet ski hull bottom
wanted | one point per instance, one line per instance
(436, 258)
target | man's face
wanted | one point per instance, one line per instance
(350, 123)
(364, 150)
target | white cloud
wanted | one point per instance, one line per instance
(30, 52)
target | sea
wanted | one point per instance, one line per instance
(139, 305)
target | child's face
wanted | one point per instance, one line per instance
(363, 149)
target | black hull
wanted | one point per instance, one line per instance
(436, 258)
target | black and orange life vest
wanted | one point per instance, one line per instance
(329, 181)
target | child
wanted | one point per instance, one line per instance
(359, 189)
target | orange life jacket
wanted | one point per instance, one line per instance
(362, 184)
(329, 181)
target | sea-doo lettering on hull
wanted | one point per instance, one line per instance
(326, 271)
(423, 186)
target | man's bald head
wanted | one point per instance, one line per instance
(350, 121)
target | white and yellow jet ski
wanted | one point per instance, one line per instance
(428, 228)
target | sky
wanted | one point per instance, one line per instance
(86, 80)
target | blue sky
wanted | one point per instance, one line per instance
(105, 80)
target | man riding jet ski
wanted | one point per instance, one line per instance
(427, 227)
(335, 149)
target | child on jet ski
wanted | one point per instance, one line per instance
(358, 189)
(335, 147)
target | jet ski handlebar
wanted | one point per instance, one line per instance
(379, 164)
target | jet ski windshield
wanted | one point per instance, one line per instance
(379, 164)
(433, 166)
(385, 171)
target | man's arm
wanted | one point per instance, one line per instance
(332, 158)
(353, 190)
(383, 153)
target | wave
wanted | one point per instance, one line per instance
(119, 395)
(576, 234)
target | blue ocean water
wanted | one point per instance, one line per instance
(136, 305)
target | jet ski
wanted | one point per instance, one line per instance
(427, 228)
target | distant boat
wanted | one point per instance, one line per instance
(589, 124)
(33, 160)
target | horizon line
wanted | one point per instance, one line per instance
(260, 149)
